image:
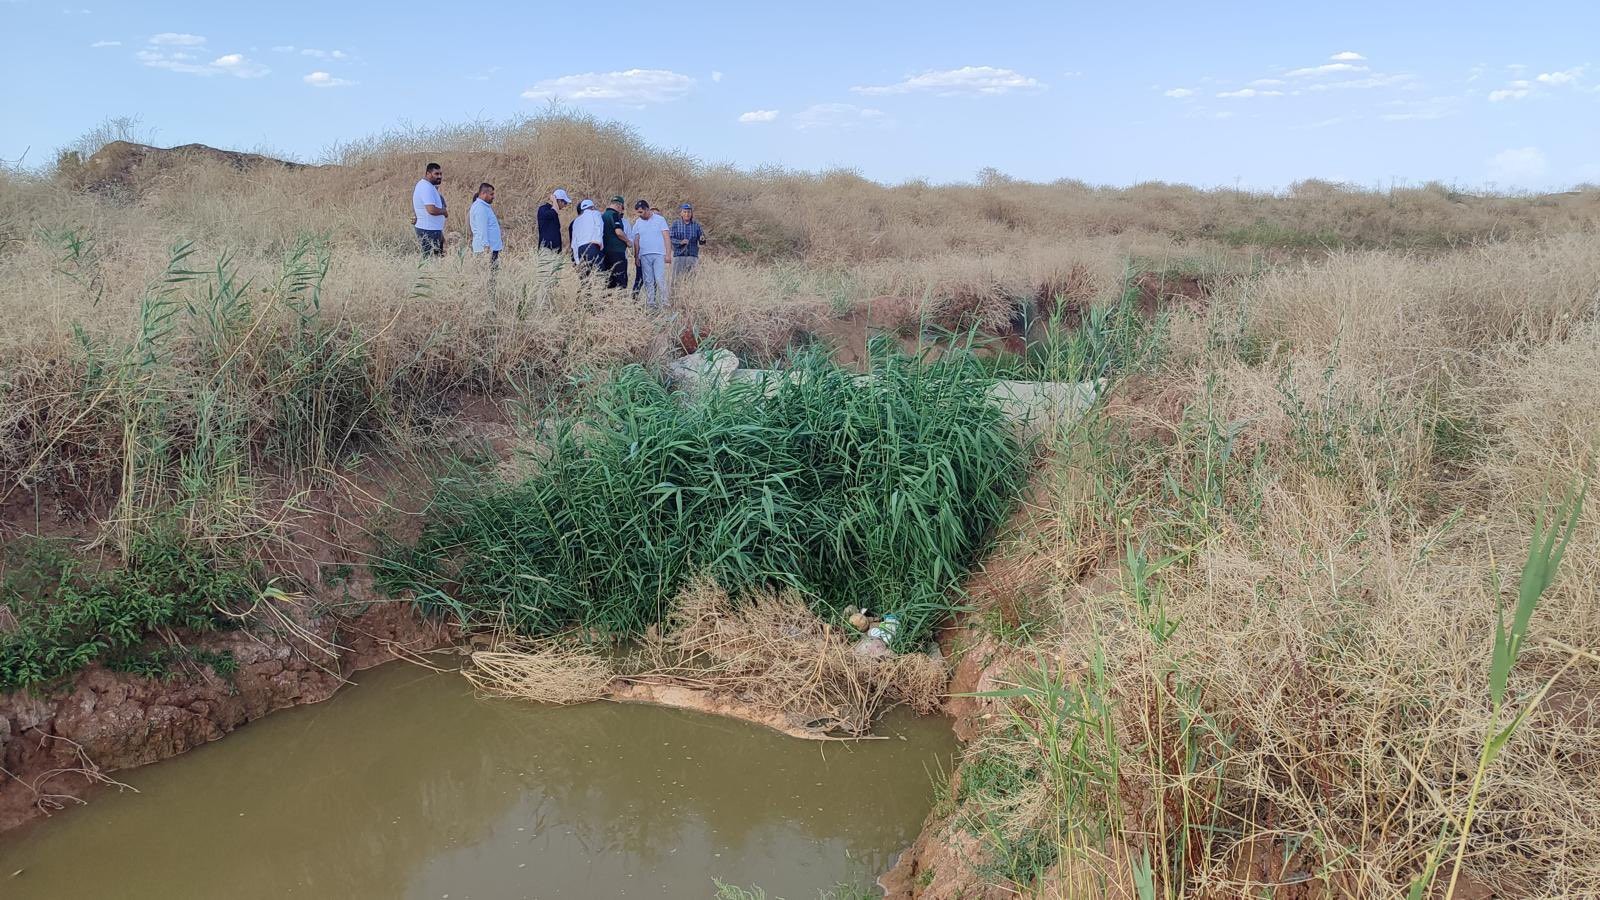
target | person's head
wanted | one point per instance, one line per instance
(585, 206)
(643, 208)
(434, 173)
(618, 204)
(686, 212)
(560, 198)
(486, 192)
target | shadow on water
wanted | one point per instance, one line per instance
(407, 786)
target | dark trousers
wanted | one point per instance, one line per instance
(616, 265)
(638, 277)
(431, 242)
(589, 258)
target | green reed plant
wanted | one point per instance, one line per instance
(878, 492)
(1108, 340)
(1546, 548)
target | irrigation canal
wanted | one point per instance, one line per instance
(406, 785)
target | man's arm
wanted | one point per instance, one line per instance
(667, 246)
(435, 210)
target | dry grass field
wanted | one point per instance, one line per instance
(1244, 628)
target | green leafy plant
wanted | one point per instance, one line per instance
(872, 491)
(68, 616)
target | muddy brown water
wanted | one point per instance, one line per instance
(406, 785)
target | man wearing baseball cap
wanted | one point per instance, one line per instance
(687, 236)
(614, 256)
(550, 220)
(587, 238)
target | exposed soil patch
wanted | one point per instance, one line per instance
(124, 165)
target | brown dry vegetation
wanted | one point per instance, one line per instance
(1340, 453)
(1340, 462)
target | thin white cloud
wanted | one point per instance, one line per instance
(716, 76)
(98, 44)
(1426, 109)
(1179, 93)
(834, 115)
(313, 52)
(1568, 76)
(1248, 92)
(1371, 81)
(1347, 56)
(1519, 164)
(236, 64)
(633, 86)
(176, 39)
(1508, 94)
(758, 115)
(326, 80)
(970, 80)
(1324, 69)
(1268, 82)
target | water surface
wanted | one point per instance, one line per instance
(407, 786)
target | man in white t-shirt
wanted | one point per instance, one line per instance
(652, 252)
(427, 205)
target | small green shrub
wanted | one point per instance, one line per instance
(68, 616)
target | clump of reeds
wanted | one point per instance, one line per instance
(844, 490)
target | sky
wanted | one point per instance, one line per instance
(1257, 95)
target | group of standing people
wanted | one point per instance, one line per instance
(599, 241)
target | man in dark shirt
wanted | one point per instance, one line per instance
(615, 258)
(550, 220)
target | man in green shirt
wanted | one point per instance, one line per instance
(614, 258)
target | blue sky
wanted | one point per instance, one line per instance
(1210, 93)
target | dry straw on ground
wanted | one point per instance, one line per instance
(767, 655)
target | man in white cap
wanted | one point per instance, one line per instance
(588, 238)
(550, 220)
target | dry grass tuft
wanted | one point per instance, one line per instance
(767, 654)
(771, 652)
(546, 671)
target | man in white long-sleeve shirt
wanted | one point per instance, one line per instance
(485, 225)
(588, 236)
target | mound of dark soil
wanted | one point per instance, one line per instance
(123, 165)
